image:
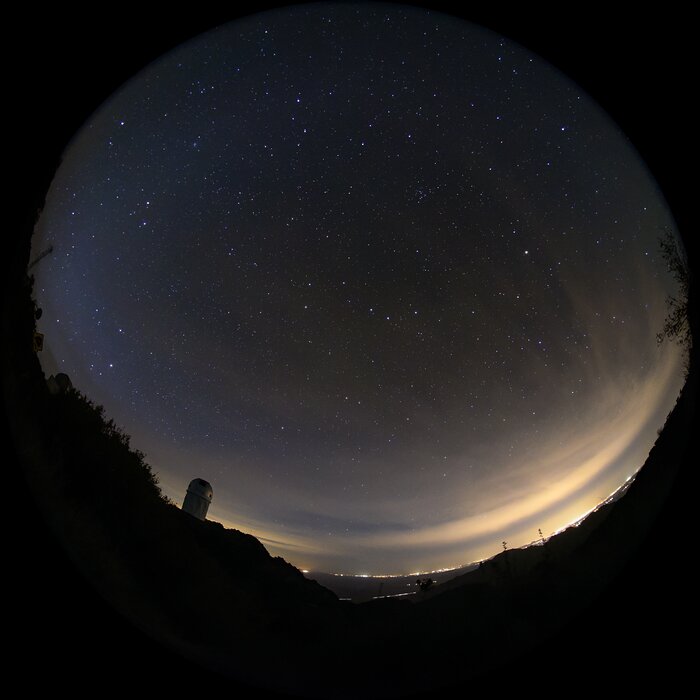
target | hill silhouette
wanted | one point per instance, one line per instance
(217, 597)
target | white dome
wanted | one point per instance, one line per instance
(201, 488)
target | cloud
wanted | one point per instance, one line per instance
(557, 483)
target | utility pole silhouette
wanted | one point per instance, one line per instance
(41, 255)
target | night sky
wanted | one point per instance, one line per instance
(386, 279)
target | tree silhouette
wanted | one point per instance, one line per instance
(677, 322)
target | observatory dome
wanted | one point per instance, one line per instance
(198, 498)
(201, 488)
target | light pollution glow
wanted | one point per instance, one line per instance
(564, 478)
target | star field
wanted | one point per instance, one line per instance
(387, 280)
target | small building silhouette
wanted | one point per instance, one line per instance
(198, 498)
(59, 384)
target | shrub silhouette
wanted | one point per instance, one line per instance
(677, 322)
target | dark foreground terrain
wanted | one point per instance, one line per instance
(217, 598)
